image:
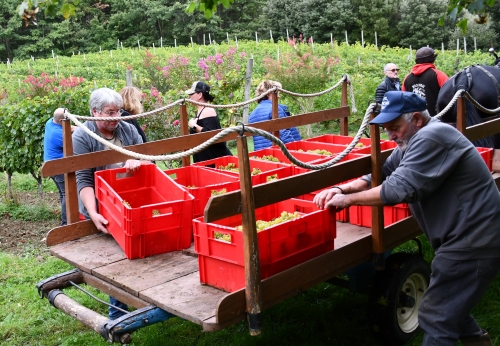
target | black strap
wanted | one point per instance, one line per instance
(495, 82)
(199, 113)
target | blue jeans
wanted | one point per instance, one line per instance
(113, 312)
(455, 288)
(59, 180)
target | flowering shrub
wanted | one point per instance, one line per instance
(163, 124)
(226, 77)
(45, 85)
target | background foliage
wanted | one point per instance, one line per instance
(110, 24)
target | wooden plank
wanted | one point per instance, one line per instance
(101, 158)
(90, 252)
(485, 129)
(186, 297)
(137, 275)
(228, 204)
(274, 111)
(461, 116)
(74, 231)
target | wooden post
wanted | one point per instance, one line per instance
(248, 85)
(71, 192)
(461, 125)
(344, 122)
(128, 78)
(377, 212)
(186, 161)
(253, 294)
(275, 114)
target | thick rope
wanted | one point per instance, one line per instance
(235, 105)
(224, 133)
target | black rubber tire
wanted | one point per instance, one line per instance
(390, 320)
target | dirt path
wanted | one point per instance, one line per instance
(16, 235)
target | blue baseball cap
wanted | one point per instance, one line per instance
(396, 103)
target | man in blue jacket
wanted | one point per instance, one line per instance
(53, 149)
(263, 112)
(440, 174)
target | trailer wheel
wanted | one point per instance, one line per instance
(395, 298)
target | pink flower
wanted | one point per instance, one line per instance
(218, 61)
(176, 122)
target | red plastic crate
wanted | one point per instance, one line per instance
(348, 157)
(277, 153)
(282, 246)
(361, 215)
(340, 140)
(487, 155)
(305, 146)
(203, 182)
(268, 168)
(149, 191)
(383, 146)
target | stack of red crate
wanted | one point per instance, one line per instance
(221, 262)
(148, 213)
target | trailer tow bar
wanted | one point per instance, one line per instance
(118, 330)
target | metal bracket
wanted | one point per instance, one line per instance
(40, 285)
(242, 132)
(126, 324)
(52, 295)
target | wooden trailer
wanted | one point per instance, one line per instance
(168, 283)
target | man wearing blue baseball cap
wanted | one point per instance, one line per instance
(440, 174)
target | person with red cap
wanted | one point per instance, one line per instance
(424, 79)
(442, 177)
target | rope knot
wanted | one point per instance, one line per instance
(242, 131)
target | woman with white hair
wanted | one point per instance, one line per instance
(264, 112)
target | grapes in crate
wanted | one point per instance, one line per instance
(231, 167)
(284, 217)
(217, 193)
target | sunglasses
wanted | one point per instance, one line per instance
(394, 70)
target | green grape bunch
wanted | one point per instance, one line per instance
(284, 217)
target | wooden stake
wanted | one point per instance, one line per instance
(256, 39)
(209, 39)
(138, 45)
(377, 212)
(271, 34)
(246, 93)
(227, 35)
(72, 213)
(275, 114)
(186, 161)
(346, 41)
(362, 40)
(344, 122)
(465, 46)
(287, 37)
(154, 49)
(253, 294)
(161, 42)
(192, 44)
(376, 46)
(461, 124)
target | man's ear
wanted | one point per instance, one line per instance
(418, 119)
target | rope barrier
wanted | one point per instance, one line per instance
(235, 105)
(226, 132)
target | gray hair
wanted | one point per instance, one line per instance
(386, 66)
(104, 97)
(407, 116)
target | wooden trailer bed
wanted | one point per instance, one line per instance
(171, 281)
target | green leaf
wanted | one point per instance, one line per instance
(463, 25)
(191, 7)
(23, 6)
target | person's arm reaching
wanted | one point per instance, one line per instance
(356, 192)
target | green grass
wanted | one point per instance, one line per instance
(323, 315)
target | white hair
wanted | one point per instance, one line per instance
(407, 116)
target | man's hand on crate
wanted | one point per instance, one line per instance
(325, 197)
(100, 222)
(356, 192)
(132, 166)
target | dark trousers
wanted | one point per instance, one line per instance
(59, 181)
(455, 288)
(113, 312)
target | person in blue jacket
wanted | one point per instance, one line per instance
(263, 112)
